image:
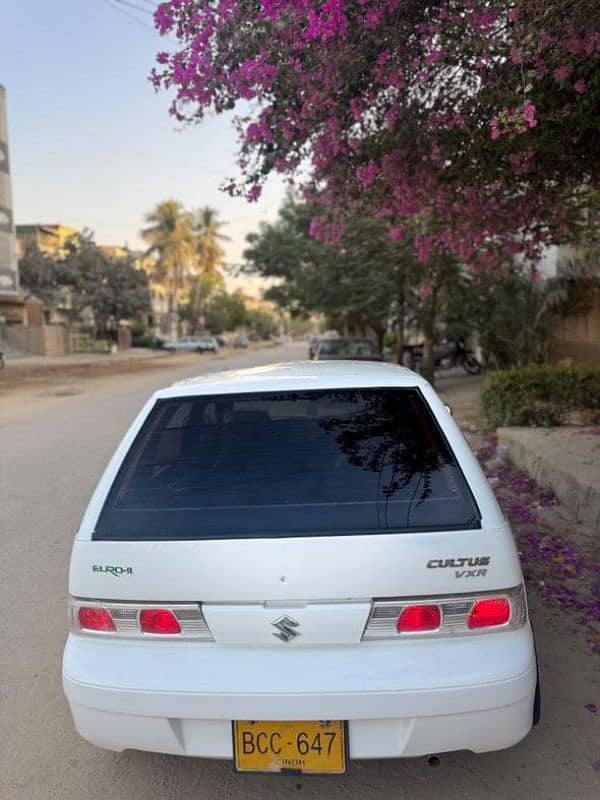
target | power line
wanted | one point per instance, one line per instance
(135, 6)
(113, 4)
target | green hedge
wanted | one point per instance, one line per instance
(540, 395)
(146, 340)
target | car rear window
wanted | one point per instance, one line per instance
(311, 463)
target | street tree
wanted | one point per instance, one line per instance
(87, 278)
(262, 323)
(204, 288)
(363, 282)
(42, 276)
(474, 125)
(171, 238)
(113, 287)
(226, 312)
(210, 255)
(209, 239)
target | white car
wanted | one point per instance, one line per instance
(296, 565)
(193, 344)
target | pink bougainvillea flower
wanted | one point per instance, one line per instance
(254, 193)
(562, 73)
(163, 18)
(316, 228)
(434, 56)
(409, 86)
(529, 114)
(521, 483)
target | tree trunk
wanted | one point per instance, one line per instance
(173, 316)
(400, 341)
(401, 300)
(428, 365)
(380, 333)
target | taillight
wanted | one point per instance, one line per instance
(489, 613)
(468, 614)
(96, 618)
(135, 620)
(419, 618)
(159, 620)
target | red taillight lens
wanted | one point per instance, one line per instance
(159, 620)
(94, 618)
(489, 612)
(414, 619)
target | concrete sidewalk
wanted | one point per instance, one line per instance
(566, 459)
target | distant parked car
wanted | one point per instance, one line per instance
(241, 342)
(192, 344)
(222, 339)
(314, 341)
(355, 349)
(207, 344)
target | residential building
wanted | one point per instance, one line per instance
(50, 239)
(576, 339)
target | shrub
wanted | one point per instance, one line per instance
(540, 395)
(147, 339)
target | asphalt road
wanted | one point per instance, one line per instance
(54, 442)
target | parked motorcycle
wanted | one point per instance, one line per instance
(446, 355)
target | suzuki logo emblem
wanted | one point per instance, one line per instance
(286, 628)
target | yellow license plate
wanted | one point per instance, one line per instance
(310, 747)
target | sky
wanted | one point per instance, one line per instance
(91, 143)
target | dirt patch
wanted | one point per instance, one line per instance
(66, 391)
(33, 377)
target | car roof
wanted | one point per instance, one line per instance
(297, 375)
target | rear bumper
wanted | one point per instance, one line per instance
(400, 699)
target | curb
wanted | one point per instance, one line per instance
(577, 487)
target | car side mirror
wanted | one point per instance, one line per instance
(448, 409)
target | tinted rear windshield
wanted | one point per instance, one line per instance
(287, 464)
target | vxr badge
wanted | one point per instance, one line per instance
(286, 628)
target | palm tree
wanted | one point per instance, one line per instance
(210, 253)
(207, 228)
(172, 239)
